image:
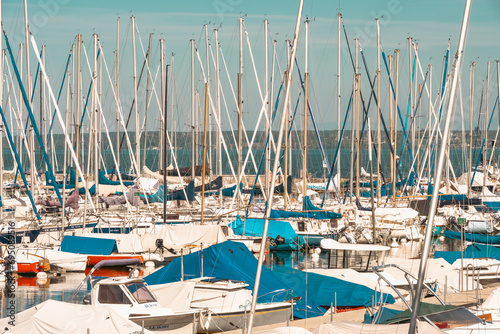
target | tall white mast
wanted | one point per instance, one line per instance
(275, 169)
(95, 112)
(240, 108)
(266, 89)
(379, 139)
(435, 194)
(193, 124)
(217, 104)
(471, 112)
(163, 121)
(117, 88)
(136, 109)
(339, 16)
(209, 120)
(306, 96)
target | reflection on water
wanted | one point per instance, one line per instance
(30, 291)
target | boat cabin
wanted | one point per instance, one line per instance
(359, 257)
(120, 292)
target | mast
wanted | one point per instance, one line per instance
(435, 193)
(240, 109)
(147, 99)
(486, 109)
(429, 162)
(306, 77)
(209, 120)
(391, 130)
(275, 169)
(117, 88)
(266, 89)
(374, 227)
(31, 139)
(287, 111)
(164, 157)
(395, 180)
(136, 103)
(193, 124)
(78, 96)
(358, 94)
(163, 98)
(471, 110)
(217, 104)
(96, 117)
(379, 138)
(339, 16)
(205, 121)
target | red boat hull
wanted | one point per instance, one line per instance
(92, 260)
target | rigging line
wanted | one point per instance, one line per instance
(32, 118)
(336, 153)
(392, 149)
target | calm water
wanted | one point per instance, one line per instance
(30, 292)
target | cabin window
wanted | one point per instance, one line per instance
(301, 226)
(141, 293)
(112, 294)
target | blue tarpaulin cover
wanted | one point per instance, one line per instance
(173, 196)
(232, 260)
(254, 227)
(474, 237)
(88, 245)
(307, 208)
(474, 251)
(104, 180)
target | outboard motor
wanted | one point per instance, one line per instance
(279, 240)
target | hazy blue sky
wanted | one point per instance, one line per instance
(56, 22)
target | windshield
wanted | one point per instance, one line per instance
(141, 293)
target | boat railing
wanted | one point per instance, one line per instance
(287, 292)
(410, 278)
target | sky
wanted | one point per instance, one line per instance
(431, 24)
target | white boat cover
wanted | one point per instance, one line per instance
(286, 330)
(54, 256)
(478, 179)
(126, 243)
(401, 215)
(179, 236)
(175, 296)
(148, 185)
(493, 301)
(146, 172)
(59, 317)
(349, 327)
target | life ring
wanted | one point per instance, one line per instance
(205, 319)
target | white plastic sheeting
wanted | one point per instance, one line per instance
(58, 317)
(180, 236)
(126, 243)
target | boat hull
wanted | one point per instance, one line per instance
(227, 321)
(185, 323)
(92, 260)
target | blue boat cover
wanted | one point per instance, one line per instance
(104, 180)
(474, 237)
(81, 191)
(307, 212)
(474, 251)
(88, 245)
(232, 260)
(308, 206)
(254, 227)
(173, 196)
